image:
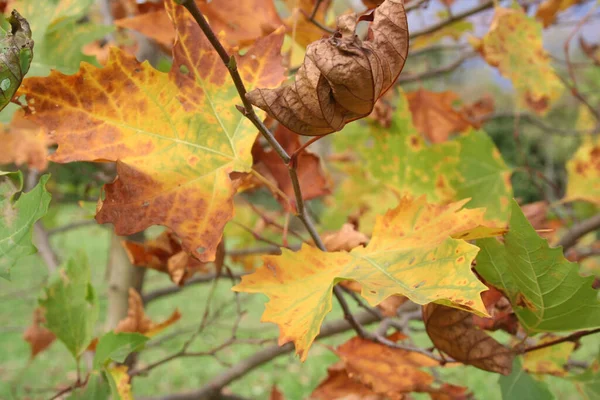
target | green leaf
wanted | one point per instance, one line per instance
(483, 176)
(16, 53)
(589, 382)
(546, 290)
(71, 305)
(18, 217)
(116, 347)
(97, 388)
(60, 34)
(520, 385)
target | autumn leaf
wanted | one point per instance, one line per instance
(165, 254)
(38, 337)
(24, 143)
(16, 53)
(453, 332)
(341, 77)
(299, 27)
(17, 217)
(549, 360)
(386, 370)
(175, 137)
(477, 111)
(138, 321)
(71, 305)
(239, 21)
(455, 31)
(412, 253)
(434, 115)
(500, 311)
(276, 394)
(528, 67)
(346, 239)
(583, 172)
(548, 10)
(340, 386)
(53, 21)
(119, 380)
(313, 181)
(520, 385)
(545, 290)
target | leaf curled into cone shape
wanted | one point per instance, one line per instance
(138, 321)
(415, 251)
(342, 76)
(453, 332)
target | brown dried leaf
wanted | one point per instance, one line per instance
(342, 76)
(501, 313)
(433, 114)
(476, 112)
(453, 332)
(340, 386)
(450, 392)
(276, 394)
(38, 337)
(312, 178)
(590, 50)
(138, 321)
(345, 239)
(166, 255)
(387, 371)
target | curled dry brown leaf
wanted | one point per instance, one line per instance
(345, 239)
(138, 321)
(453, 332)
(342, 76)
(38, 337)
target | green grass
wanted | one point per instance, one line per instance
(22, 378)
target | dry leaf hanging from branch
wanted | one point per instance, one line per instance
(342, 76)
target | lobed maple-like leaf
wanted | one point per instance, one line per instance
(16, 53)
(528, 67)
(412, 253)
(175, 137)
(17, 218)
(545, 289)
(242, 22)
(342, 76)
(453, 332)
(583, 172)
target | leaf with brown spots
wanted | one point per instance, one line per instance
(583, 172)
(434, 114)
(175, 137)
(120, 382)
(240, 21)
(550, 360)
(385, 370)
(138, 321)
(313, 181)
(342, 76)
(412, 253)
(453, 332)
(166, 255)
(38, 337)
(528, 67)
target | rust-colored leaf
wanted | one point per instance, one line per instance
(313, 182)
(165, 254)
(345, 239)
(450, 392)
(138, 321)
(276, 394)
(590, 50)
(242, 22)
(340, 386)
(476, 112)
(453, 332)
(501, 313)
(24, 143)
(342, 76)
(38, 337)
(548, 10)
(434, 115)
(386, 370)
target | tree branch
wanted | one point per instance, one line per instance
(571, 338)
(436, 72)
(442, 24)
(213, 387)
(538, 122)
(578, 230)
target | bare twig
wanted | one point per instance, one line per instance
(73, 226)
(526, 117)
(42, 242)
(436, 72)
(313, 20)
(579, 230)
(570, 338)
(214, 386)
(457, 17)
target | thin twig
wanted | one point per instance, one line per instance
(436, 72)
(571, 338)
(526, 117)
(313, 20)
(74, 225)
(457, 17)
(579, 230)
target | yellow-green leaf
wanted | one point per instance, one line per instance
(583, 171)
(175, 137)
(412, 253)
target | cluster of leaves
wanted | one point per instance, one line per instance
(421, 206)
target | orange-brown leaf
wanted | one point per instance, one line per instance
(24, 143)
(340, 386)
(548, 10)
(453, 332)
(450, 392)
(501, 313)
(386, 370)
(342, 76)
(475, 112)
(138, 321)
(38, 337)
(345, 239)
(433, 114)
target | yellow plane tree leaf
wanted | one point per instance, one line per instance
(175, 137)
(549, 360)
(583, 171)
(412, 253)
(527, 66)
